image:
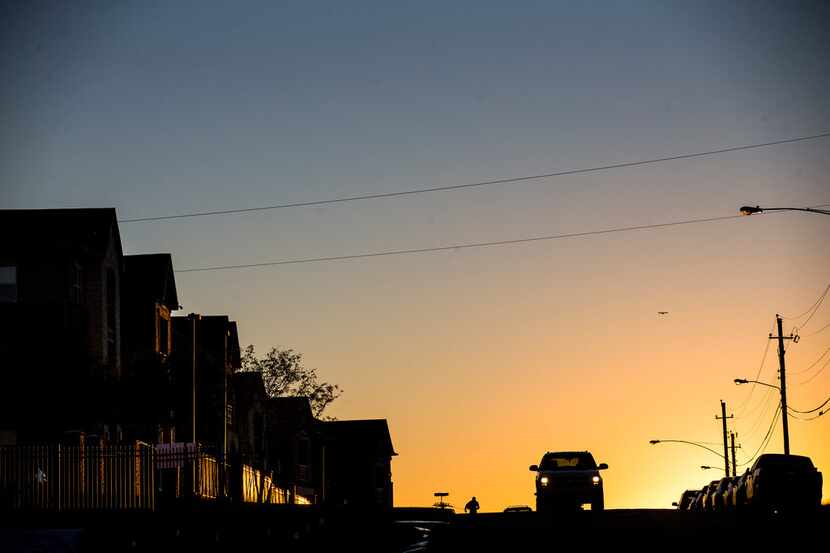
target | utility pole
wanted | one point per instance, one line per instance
(723, 417)
(734, 466)
(783, 376)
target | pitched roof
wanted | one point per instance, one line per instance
(248, 384)
(286, 407)
(359, 433)
(289, 413)
(71, 230)
(152, 275)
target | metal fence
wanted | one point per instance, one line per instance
(70, 478)
(191, 471)
(126, 477)
(259, 488)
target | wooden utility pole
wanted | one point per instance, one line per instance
(782, 372)
(723, 417)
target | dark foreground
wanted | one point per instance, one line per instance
(637, 528)
(311, 530)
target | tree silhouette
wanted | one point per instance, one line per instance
(285, 376)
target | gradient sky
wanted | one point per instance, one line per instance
(481, 359)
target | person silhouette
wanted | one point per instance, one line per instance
(472, 506)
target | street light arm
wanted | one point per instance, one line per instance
(745, 381)
(653, 442)
(749, 210)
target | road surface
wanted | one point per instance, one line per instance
(650, 528)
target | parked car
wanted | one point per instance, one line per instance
(686, 499)
(518, 509)
(736, 493)
(716, 496)
(697, 503)
(568, 479)
(706, 502)
(783, 482)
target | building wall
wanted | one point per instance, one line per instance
(54, 338)
(214, 391)
(97, 291)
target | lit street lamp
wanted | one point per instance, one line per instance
(749, 210)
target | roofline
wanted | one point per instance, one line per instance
(109, 211)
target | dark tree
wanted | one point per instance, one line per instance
(285, 376)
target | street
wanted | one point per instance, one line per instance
(352, 531)
(657, 528)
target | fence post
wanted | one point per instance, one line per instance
(58, 474)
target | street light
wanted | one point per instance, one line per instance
(783, 391)
(654, 442)
(782, 374)
(745, 381)
(749, 210)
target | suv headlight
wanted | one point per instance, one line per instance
(596, 480)
(544, 480)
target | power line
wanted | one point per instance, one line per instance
(814, 306)
(766, 439)
(758, 375)
(825, 327)
(364, 197)
(815, 310)
(826, 401)
(454, 246)
(813, 364)
(820, 413)
(765, 404)
(821, 370)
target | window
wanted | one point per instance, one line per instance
(75, 284)
(111, 333)
(303, 451)
(8, 283)
(568, 461)
(162, 330)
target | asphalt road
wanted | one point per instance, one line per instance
(409, 532)
(637, 528)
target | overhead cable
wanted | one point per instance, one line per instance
(490, 182)
(454, 246)
(766, 439)
(826, 401)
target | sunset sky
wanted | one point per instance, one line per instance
(480, 358)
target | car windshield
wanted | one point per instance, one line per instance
(568, 461)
